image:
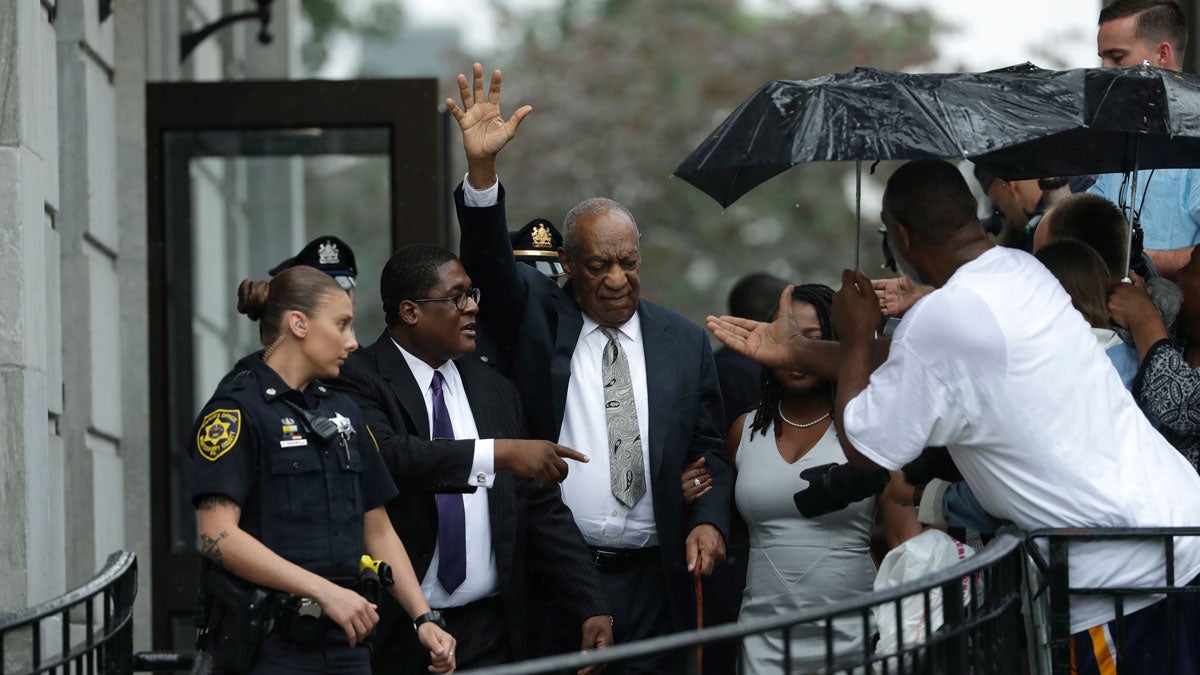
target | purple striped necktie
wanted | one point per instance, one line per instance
(452, 527)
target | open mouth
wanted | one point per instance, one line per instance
(468, 330)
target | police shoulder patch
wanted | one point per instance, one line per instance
(218, 433)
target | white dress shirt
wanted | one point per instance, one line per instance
(603, 520)
(482, 577)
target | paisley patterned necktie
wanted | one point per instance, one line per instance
(627, 472)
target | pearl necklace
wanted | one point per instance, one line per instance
(804, 425)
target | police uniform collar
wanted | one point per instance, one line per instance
(272, 385)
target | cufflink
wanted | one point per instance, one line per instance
(481, 477)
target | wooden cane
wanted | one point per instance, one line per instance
(699, 590)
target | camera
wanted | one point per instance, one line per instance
(833, 487)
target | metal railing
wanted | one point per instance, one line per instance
(981, 628)
(987, 621)
(1059, 591)
(86, 630)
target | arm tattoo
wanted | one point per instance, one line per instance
(211, 547)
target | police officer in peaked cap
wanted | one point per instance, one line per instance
(329, 255)
(536, 245)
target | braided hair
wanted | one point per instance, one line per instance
(769, 391)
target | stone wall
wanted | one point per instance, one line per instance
(74, 352)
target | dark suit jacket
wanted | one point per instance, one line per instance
(537, 324)
(527, 520)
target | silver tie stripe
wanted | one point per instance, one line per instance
(627, 472)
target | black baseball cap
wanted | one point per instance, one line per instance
(328, 254)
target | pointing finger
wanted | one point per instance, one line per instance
(564, 451)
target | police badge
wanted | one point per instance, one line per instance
(218, 433)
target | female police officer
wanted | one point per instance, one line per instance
(290, 487)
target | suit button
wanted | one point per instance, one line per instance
(296, 465)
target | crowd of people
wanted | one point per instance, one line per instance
(519, 467)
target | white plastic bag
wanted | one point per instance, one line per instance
(925, 553)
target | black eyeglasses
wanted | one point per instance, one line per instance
(459, 299)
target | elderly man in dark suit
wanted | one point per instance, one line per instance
(469, 510)
(628, 382)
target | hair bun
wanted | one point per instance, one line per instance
(252, 297)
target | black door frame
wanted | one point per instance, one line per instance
(418, 186)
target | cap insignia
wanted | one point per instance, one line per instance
(541, 236)
(327, 253)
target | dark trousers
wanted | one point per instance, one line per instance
(331, 653)
(481, 631)
(637, 598)
(479, 628)
(1144, 641)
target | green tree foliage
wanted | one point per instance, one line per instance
(381, 19)
(623, 90)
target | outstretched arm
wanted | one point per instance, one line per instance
(780, 344)
(855, 315)
(484, 246)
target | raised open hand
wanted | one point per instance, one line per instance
(770, 344)
(484, 129)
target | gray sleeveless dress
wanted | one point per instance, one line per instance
(796, 563)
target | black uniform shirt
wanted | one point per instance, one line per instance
(302, 497)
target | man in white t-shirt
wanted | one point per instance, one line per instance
(998, 366)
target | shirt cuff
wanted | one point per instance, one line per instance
(930, 511)
(480, 198)
(483, 468)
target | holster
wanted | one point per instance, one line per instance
(241, 616)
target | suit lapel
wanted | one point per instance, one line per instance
(660, 350)
(401, 383)
(570, 322)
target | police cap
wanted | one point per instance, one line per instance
(328, 254)
(537, 245)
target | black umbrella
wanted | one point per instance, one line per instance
(1018, 122)
(1131, 118)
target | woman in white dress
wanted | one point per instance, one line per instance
(797, 563)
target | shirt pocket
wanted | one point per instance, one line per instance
(298, 491)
